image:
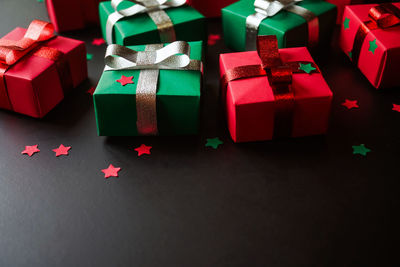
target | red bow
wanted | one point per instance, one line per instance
(279, 75)
(382, 16)
(11, 51)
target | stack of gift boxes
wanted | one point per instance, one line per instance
(151, 85)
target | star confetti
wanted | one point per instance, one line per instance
(39, 1)
(350, 104)
(346, 23)
(351, 54)
(372, 46)
(30, 150)
(89, 56)
(98, 41)
(396, 107)
(361, 150)
(213, 142)
(62, 150)
(111, 171)
(143, 149)
(213, 38)
(125, 80)
(307, 68)
(91, 90)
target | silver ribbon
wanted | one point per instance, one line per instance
(154, 8)
(269, 8)
(175, 56)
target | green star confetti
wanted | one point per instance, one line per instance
(346, 23)
(372, 46)
(351, 54)
(361, 150)
(89, 56)
(39, 1)
(213, 142)
(306, 68)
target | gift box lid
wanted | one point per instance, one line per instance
(388, 38)
(304, 85)
(170, 83)
(129, 26)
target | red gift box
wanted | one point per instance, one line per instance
(68, 15)
(210, 8)
(35, 74)
(341, 4)
(252, 106)
(370, 36)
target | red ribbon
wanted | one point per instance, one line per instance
(279, 76)
(11, 51)
(382, 16)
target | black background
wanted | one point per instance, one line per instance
(292, 202)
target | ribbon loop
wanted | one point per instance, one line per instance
(173, 56)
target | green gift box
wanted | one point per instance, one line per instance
(177, 100)
(290, 29)
(188, 23)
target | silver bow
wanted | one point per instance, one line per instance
(175, 56)
(154, 8)
(269, 8)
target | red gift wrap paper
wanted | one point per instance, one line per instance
(37, 82)
(72, 14)
(250, 103)
(210, 8)
(379, 55)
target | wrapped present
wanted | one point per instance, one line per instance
(210, 8)
(148, 21)
(340, 4)
(150, 90)
(37, 68)
(73, 14)
(370, 36)
(294, 22)
(273, 93)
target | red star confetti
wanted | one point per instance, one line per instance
(30, 150)
(350, 104)
(125, 80)
(91, 90)
(213, 38)
(98, 41)
(396, 107)
(111, 171)
(62, 150)
(143, 149)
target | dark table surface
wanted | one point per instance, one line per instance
(291, 202)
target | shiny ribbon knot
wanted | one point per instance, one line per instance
(154, 8)
(175, 56)
(382, 17)
(280, 77)
(11, 51)
(269, 8)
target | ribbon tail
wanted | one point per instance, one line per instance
(146, 97)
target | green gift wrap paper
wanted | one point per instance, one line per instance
(178, 100)
(140, 29)
(290, 29)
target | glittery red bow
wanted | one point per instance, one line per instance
(382, 16)
(11, 51)
(279, 75)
